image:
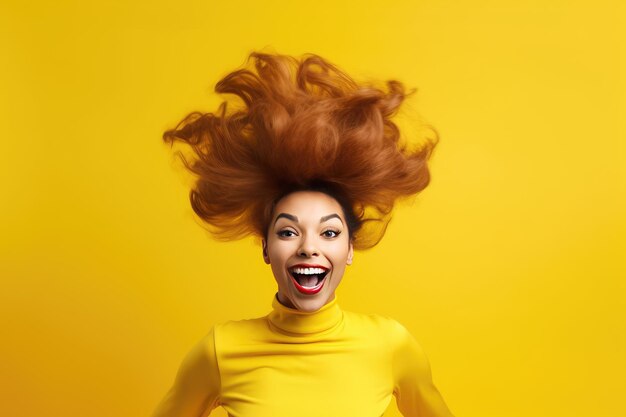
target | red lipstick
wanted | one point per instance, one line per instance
(313, 290)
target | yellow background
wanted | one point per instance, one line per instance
(509, 269)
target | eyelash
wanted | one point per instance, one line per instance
(283, 233)
(336, 232)
(291, 233)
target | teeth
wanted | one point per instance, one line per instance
(308, 271)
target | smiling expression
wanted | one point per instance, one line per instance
(308, 247)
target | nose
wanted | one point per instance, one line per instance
(308, 248)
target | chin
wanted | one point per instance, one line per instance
(310, 305)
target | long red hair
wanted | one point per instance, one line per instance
(303, 122)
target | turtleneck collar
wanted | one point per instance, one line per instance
(302, 322)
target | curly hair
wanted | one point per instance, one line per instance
(303, 125)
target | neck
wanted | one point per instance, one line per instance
(293, 321)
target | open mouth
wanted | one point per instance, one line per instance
(308, 280)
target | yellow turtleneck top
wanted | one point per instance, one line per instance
(305, 364)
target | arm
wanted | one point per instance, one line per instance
(416, 395)
(197, 385)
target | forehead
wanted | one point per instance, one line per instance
(308, 203)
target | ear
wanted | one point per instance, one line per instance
(266, 257)
(350, 254)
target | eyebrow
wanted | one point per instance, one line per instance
(295, 219)
(286, 216)
(330, 216)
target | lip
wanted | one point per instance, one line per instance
(325, 268)
(308, 291)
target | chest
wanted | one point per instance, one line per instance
(331, 378)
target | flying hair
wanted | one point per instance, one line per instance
(300, 124)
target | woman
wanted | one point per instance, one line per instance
(311, 164)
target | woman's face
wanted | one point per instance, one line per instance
(308, 247)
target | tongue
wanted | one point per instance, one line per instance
(308, 280)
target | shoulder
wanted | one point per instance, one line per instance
(199, 364)
(204, 349)
(383, 326)
(378, 321)
(237, 331)
(396, 336)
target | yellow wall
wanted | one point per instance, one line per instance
(509, 269)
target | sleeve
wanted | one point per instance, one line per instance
(196, 388)
(416, 395)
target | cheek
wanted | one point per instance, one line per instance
(278, 266)
(278, 252)
(339, 253)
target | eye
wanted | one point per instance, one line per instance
(286, 233)
(330, 233)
